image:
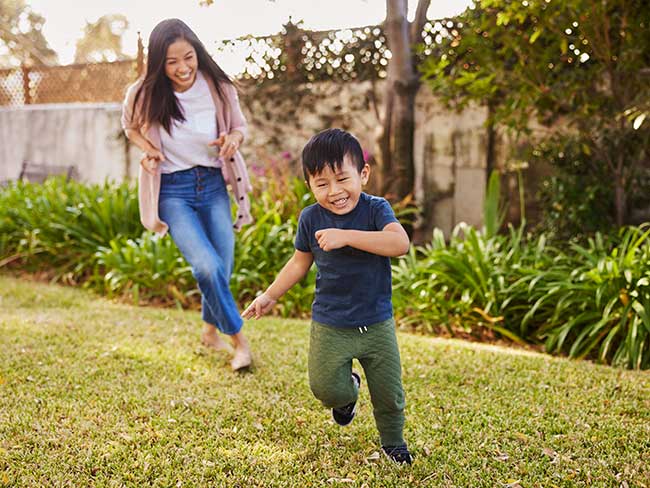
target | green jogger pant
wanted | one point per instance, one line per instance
(331, 351)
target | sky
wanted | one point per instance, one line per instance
(224, 19)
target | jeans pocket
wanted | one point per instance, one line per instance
(167, 178)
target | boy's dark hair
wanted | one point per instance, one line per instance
(327, 148)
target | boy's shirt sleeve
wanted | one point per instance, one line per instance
(302, 235)
(383, 214)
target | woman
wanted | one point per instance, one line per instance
(185, 115)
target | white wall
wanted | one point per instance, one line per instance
(85, 135)
(450, 147)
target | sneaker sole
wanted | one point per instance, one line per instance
(354, 410)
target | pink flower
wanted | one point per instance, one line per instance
(257, 169)
(286, 155)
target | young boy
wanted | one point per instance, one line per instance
(351, 236)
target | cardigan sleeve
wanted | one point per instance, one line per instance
(127, 120)
(237, 119)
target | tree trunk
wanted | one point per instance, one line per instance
(395, 141)
(620, 190)
(384, 160)
(620, 202)
(404, 129)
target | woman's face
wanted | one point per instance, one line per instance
(181, 65)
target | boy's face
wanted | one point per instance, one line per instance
(339, 191)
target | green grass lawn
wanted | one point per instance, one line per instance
(94, 393)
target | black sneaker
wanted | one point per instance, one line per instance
(344, 415)
(399, 454)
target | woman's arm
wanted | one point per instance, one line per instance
(152, 155)
(230, 142)
(391, 241)
(139, 140)
(292, 272)
(237, 120)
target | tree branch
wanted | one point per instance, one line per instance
(419, 21)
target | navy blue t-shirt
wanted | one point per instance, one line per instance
(353, 287)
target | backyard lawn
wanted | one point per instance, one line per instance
(96, 393)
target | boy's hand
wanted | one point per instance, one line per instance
(259, 307)
(330, 239)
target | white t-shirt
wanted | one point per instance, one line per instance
(187, 145)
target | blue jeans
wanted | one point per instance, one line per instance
(196, 206)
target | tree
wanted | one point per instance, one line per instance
(580, 60)
(395, 140)
(21, 37)
(102, 40)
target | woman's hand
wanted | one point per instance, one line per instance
(229, 144)
(260, 306)
(151, 158)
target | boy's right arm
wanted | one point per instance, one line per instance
(292, 272)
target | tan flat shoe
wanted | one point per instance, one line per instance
(242, 360)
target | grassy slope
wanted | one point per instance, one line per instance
(94, 393)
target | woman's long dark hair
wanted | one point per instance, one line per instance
(159, 104)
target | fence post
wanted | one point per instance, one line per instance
(27, 96)
(140, 56)
(292, 47)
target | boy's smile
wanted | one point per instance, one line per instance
(339, 191)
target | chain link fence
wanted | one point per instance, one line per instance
(96, 82)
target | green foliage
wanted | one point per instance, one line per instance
(93, 234)
(62, 224)
(550, 58)
(575, 201)
(467, 281)
(601, 307)
(298, 55)
(494, 211)
(21, 35)
(584, 301)
(578, 62)
(263, 248)
(590, 301)
(149, 267)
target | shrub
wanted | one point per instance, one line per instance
(62, 224)
(592, 301)
(587, 300)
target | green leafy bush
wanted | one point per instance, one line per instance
(62, 224)
(263, 248)
(598, 302)
(92, 234)
(588, 302)
(465, 282)
(148, 267)
(585, 301)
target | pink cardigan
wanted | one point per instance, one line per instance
(234, 170)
